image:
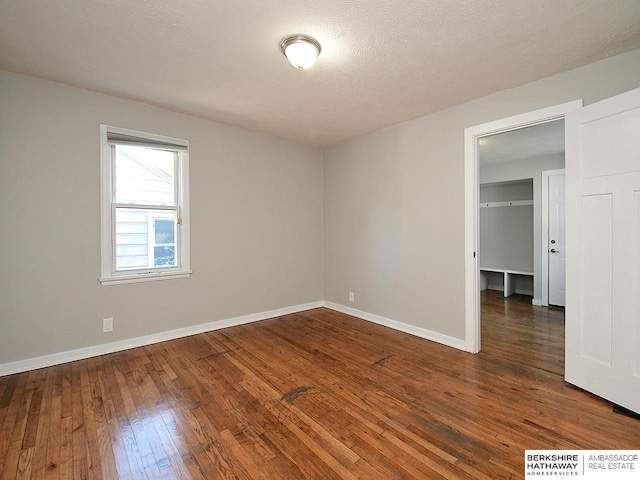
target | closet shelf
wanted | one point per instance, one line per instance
(509, 283)
(511, 203)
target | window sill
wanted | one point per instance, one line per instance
(145, 277)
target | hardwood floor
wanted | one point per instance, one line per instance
(515, 330)
(317, 395)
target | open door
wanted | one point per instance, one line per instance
(603, 249)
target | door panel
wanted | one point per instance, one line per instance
(597, 278)
(615, 138)
(603, 238)
(557, 240)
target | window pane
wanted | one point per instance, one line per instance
(144, 175)
(145, 238)
(164, 256)
(164, 252)
(132, 239)
(165, 232)
(129, 249)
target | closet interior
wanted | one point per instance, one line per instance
(506, 237)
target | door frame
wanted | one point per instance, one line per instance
(544, 252)
(471, 210)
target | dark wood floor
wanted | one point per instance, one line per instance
(316, 395)
(515, 330)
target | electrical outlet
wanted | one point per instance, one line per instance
(352, 297)
(107, 325)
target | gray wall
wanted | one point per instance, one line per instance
(256, 223)
(390, 206)
(394, 200)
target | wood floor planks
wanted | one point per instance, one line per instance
(514, 330)
(317, 395)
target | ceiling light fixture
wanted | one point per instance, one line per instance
(301, 50)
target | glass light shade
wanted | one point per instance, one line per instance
(301, 51)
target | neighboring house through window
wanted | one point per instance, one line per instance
(145, 227)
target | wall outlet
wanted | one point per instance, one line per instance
(107, 325)
(352, 297)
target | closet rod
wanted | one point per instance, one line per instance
(511, 203)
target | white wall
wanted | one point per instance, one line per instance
(394, 200)
(529, 168)
(256, 223)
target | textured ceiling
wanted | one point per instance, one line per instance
(523, 143)
(382, 61)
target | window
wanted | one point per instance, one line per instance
(145, 215)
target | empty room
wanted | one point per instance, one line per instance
(274, 240)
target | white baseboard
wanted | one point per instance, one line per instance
(521, 291)
(103, 349)
(536, 302)
(403, 327)
(94, 351)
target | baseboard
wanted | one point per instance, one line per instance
(103, 349)
(403, 327)
(500, 288)
(96, 350)
(523, 291)
(536, 302)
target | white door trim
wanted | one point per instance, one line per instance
(471, 137)
(545, 232)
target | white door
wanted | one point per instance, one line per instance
(603, 257)
(556, 240)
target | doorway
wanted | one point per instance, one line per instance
(473, 136)
(512, 167)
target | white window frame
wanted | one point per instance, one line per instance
(109, 275)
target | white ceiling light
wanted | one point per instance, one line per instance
(301, 50)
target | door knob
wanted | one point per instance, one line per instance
(553, 241)
(553, 250)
